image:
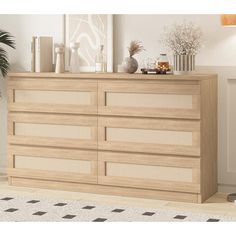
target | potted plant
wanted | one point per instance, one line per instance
(7, 39)
(130, 63)
(185, 41)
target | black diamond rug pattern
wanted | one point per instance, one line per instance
(31, 207)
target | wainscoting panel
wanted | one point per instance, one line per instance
(226, 126)
(227, 158)
(231, 128)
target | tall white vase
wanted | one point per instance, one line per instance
(184, 64)
(60, 64)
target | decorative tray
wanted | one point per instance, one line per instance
(155, 71)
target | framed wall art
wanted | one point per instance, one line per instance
(90, 31)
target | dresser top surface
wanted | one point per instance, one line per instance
(136, 76)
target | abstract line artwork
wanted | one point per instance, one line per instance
(90, 31)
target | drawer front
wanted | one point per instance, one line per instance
(60, 96)
(149, 171)
(149, 100)
(149, 136)
(53, 130)
(53, 164)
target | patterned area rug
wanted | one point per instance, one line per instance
(32, 207)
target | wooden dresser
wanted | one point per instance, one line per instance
(151, 136)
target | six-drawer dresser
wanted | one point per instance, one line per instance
(151, 136)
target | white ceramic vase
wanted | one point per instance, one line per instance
(130, 65)
(60, 64)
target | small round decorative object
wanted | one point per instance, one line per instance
(130, 65)
(231, 197)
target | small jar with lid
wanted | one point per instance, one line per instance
(163, 62)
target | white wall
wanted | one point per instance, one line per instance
(219, 42)
(218, 55)
(23, 27)
(219, 47)
(3, 127)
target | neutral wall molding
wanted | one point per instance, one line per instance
(226, 77)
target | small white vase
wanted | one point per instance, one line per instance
(184, 64)
(60, 64)
(74, 58)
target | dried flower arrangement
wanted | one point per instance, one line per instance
(135, 47)
(130, 64)
(182, 39)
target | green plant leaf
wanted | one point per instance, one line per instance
(7, 39)
(4, 64)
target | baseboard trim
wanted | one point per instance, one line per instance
(3, 170)
(224, 188)
(3, 177)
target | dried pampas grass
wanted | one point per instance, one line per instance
(135, 47)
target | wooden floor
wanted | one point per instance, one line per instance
(216, 205)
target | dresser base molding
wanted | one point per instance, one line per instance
(106, 190)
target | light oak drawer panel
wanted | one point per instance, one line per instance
(59, 96)
(53, 130)
(149, 100)
(149, 136)
(52, 97)
(149, 171)
(61, 164)
(52, 164)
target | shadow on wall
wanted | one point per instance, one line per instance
(3, 118)
(3, 125)
(17, 68)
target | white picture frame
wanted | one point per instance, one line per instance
(86, 30)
